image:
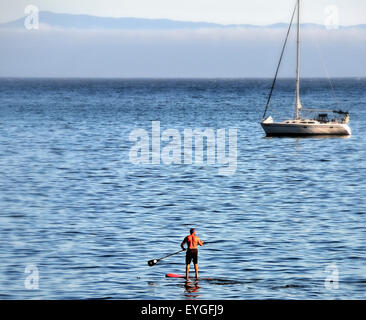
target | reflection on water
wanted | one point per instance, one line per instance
(324, 136)
(192, 289)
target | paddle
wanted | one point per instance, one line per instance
(155, 261)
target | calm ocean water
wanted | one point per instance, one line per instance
(74, 206)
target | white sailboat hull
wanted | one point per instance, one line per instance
(299, 129)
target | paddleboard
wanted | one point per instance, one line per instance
(174, 275)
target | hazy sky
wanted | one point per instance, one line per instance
(58, 52)
(259, 12)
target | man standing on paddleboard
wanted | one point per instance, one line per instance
(192, 252)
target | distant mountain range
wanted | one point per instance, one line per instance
(81, 21)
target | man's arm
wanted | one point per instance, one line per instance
(183, 243)
(200, 242)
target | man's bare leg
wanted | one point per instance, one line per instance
(187, 271)
(196, 269)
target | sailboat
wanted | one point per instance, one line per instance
(320, 124)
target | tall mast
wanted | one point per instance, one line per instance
(298, 102)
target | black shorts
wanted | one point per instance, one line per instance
(192, 254)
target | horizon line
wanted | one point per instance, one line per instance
(175, 78)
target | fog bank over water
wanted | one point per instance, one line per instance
(204, 52)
